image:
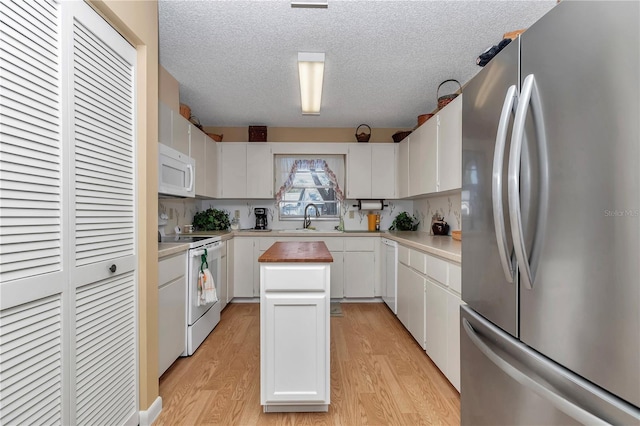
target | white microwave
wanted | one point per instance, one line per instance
(176, 173)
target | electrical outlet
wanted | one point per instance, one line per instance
(236, 214)
(350, 214)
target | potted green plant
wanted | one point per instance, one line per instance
(211, 220)
(404, 222)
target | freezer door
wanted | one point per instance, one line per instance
(581, 308)
(488, 270)
(503, 382)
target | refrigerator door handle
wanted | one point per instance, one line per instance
(528, 266)
(560, 402)
(509, 106)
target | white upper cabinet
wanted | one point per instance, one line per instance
(180, 129)
(259, 171)
(383, 170)
(212, 168)
(371, 171)
(434, 154)
(165, 134)
(204, 151)
(423, 161)
(173, 129)
(402, 168)
(450, 146)
(233, 170)
(246, 170)
(359, 171)
(198, 154)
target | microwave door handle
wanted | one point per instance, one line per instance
(509, 106)
(528, 96)
(190, 168)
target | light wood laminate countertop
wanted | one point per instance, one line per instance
(438, 245)
(297, 252)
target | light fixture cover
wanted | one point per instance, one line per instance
(323, 4)
(311, 74)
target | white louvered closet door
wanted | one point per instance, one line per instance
(103, 223)
(33, 238)
(68, 344)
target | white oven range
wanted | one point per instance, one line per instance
(200, 320)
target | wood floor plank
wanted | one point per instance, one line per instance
(379, 376)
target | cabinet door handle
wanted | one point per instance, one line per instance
(112, 268)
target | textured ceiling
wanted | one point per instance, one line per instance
(236, 60)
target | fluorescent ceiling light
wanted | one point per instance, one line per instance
(311, 3)
(310, 70)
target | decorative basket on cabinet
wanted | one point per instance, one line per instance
(444, 100)
(363, 137)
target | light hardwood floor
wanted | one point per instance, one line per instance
(379, 376)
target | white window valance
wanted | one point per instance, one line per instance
(287, 165)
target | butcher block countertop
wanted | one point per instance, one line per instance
(297, 251)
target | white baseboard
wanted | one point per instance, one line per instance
(359, 300)
(151, 414)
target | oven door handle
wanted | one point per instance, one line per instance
(210, 249)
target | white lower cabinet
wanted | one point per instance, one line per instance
(172, 302)
(428, 292)
(403, 294)
(337, 275)
(452, 370)
(411, 302)
(359, 270)
(231, 244)
(359, 274)
(223, 297)
(244, 264)
(294, 336)
(436, 325)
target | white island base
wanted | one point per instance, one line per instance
(294, 336)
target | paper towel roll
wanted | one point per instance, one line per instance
(370, 205)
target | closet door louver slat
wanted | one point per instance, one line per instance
(30, 135)
(103, 130)
(105, 351)
(31, 362)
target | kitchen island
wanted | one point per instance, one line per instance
(294, 327)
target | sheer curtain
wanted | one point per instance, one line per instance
(287, 165)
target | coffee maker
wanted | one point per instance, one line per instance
(261, 217)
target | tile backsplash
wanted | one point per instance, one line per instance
(359, 221)
(181, 212)
(447, 206)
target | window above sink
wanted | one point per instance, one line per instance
(304, 180)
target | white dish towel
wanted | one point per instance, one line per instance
(206, 288)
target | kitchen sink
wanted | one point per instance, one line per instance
(310, 231)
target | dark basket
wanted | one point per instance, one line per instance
(363, 137)
(444, 100)
(257, 133)
(398, 136)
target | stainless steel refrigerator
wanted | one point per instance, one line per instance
(551, 218)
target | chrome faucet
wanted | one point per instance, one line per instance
(307, 218)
